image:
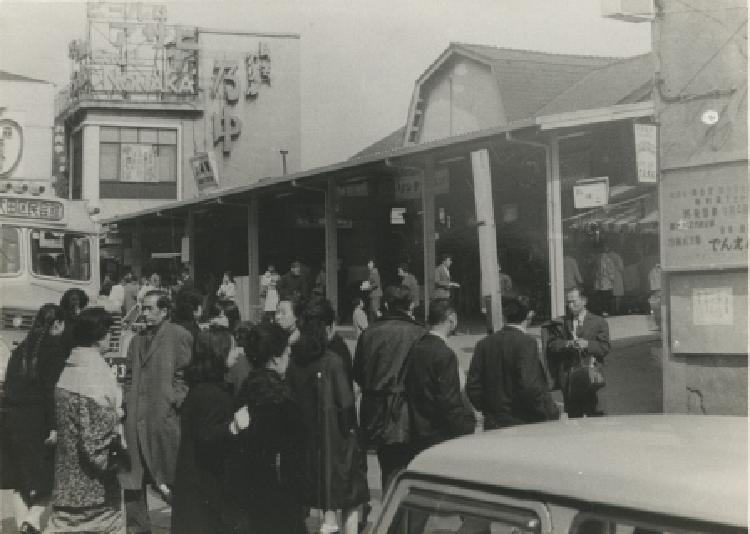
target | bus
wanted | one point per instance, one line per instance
(47, 246)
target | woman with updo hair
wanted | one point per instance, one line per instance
(334, 461)
(29, 431)
(267, 461)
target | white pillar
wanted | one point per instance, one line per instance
(487, 233)
(90, 174)
(555, 228)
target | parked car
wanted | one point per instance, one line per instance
(608, 475)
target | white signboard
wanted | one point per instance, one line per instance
(591, 193)
(138, 163)
(713, 306)
(645, 152)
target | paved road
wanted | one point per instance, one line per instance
(634, 382)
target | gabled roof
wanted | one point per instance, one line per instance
(623, 82)
(9, 76)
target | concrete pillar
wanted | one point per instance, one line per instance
(253, 258)
(428, 231)
(331, 244)
(555, 228)
(487, 234)
(90, 171)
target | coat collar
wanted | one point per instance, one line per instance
(155, 342)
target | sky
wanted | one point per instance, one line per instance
(359, 58)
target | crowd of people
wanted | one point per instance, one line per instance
(246, 427)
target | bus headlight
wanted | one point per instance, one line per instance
(17, 321)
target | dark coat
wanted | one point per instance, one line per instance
(153, 391)
(199, 500)
(338, 346)
(28, 417)
(265, 468)
(434, 392)
(291, 286)
(380, 370)
(506, 381)
(594, 329)
(335, 464)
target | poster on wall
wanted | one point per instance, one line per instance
(645, 152)
(705, 218)
(138, 163)
(591, 193)
(410, 187)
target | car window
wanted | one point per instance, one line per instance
(61, 254)
(587, 523)
(10, 258)
(432, 512)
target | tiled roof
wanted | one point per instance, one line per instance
(8, 76)
(390, 142)
(626, 81)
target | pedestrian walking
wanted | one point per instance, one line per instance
(506, 381)
(265, 469)
(359, 316)
(409, 281)
(188, 309)
(294, 285)
(433, 388)
(334, 458)
(580, 343)
(208, 426)
(372, 288)
(28, 435)
(380, 370)
(618, 281)
(154, 390)
(86, 495)
(268, 283)
(228, 289)
(443, 282)
(153, 283)
(604, 281)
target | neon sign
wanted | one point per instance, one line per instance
(31, 208)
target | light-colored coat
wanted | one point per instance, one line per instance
(442, 283)
(154, 389)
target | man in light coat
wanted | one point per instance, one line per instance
(153, 392)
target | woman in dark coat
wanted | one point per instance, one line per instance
(335, 465)
(72, 302)
(29, 432)
(208, 428)
(267, 466)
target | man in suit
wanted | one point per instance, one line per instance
(443, 284)
(153, 391)
(410, 281)
(433, 388)
(294, 284)
(583, 336)
(506, 381)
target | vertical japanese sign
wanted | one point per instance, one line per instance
(645, 152)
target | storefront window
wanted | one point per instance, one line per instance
(10, 257)
(137, 162)
(60, 254)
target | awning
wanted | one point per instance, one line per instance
(635, 215)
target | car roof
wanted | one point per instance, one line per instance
(682, 465)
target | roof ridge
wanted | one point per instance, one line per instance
(530, 51)
(10, 76)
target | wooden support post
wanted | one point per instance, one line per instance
(137, 247)
(555, 228)
(331, 244)
(428, 229)
(190, 241)
(487, 236)
(253, 260)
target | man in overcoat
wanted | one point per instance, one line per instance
(583, 336)
(380, 371)
(153, 392)
(506, 381)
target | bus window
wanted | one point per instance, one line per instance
(10, 257)
(60, 254)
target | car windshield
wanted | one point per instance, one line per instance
(59, 254)
(10, 257)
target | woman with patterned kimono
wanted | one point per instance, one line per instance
(86, 495)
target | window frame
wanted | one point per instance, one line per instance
(158, 131)
(19, 234)
(29, 256)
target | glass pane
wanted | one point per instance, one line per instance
(109, 161)
(61, 255)
(167, 163)
(147, 135)
(167, 137)
(109, 134)
(10, 259)
(129, 135)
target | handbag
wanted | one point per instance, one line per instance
(586, 376)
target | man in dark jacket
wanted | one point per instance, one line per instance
(380, 371)
(294, 285)
(583, 336)
(432, 384)
(506, 381)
